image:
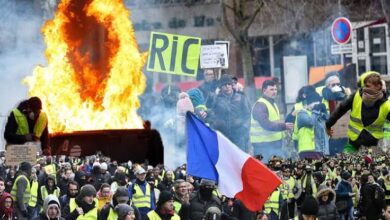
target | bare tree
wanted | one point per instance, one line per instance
(243, 18)
(386, 11)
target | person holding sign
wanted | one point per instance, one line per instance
(27, 123)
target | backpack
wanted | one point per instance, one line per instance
(379, 196)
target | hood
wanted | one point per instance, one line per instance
(49, 201)
(51, 177)
(323, 190)
(3, 210)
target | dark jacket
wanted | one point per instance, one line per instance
(199, 206)
(74, 214)
(231, 116)
(343, 188)
(327, 210)
(369, 115)
(367, 207)
(241, 212)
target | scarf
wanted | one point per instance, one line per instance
(370, 96)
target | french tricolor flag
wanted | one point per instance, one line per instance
(212, 156)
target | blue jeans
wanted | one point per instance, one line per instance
(268, 149)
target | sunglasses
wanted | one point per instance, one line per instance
(335, 84)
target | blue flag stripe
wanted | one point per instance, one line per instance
(202, 149)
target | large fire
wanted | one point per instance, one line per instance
(94, 72)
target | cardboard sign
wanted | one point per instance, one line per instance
(214, 56)
(174, 54)
(16, 154)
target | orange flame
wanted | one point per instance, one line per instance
(94, 72)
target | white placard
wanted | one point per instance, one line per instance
(377, 41)
(214, 56)
(341, 48)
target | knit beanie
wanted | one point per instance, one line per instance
(121, 194)
(184, 104)
(122, 210)
(87, 190)
(25, 167)
(225, 79)
(345, 175)
(165, 196)
(196, 97)
(309, 206)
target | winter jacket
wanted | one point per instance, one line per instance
(231, 116)
(367, 207)
(199, 206)
(343, 188)
(327, 210)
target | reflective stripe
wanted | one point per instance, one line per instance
(354, 130)
(356, 120)
(21, 120)
(257, 133)
(27, 193)
(34, 194)
(141, 200)
(387, 191)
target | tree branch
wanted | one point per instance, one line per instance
(252, 18)
(227, 25)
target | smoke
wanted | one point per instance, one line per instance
(21, 48)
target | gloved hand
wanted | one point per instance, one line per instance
(25, 213)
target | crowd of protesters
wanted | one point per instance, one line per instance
(345, 186)
(315, 184)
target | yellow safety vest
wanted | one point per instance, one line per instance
(112, 215)
(45, 193)
(21, 120)
(34, 194)
(331, 174)
(287, 188)
(23, 128)
(259, 134)
(356, 126)
(141, 200)
(305, 136)
(313, 185)
(297, 107)
(152, 215)
(387, 189)
(91, 215)
(40, 124)
(272, 204)
(177, 206)
(27, 193)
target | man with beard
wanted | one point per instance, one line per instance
(72, 192)
(84, 204)
(142, 194)
(203, 200)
